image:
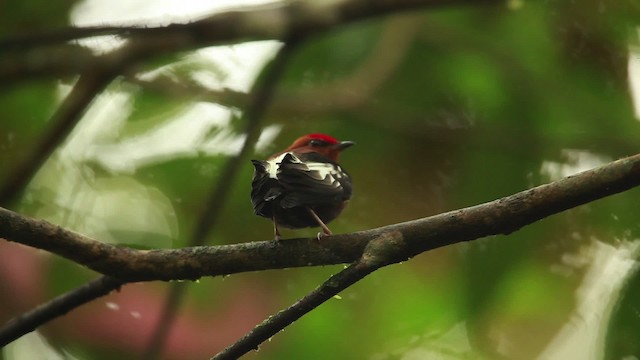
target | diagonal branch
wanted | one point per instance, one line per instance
(59, 306)
(502, 216)
(379, 252)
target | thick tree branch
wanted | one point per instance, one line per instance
(381, 251)
(387, 245)
(501, 216)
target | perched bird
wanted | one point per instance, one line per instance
(302, 186)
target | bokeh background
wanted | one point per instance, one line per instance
(449, 108)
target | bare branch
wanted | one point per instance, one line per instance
(501, 216)
(59, 306)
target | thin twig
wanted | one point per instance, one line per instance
(261, 94)
(59, 306)
(380, 252)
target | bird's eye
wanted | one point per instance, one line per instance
(316, 142)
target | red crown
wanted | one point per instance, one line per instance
(323, 137)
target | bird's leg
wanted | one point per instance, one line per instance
(275, 229)
(324, 227)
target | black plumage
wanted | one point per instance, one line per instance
(287, 187)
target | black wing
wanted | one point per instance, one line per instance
(263, 189)
(312, 179)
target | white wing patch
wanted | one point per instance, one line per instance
(323, 170)
(320, 170)
(274, 163)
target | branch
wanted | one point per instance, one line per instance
(59, 306)
(379, 252)
(268, 22)
(502, 216)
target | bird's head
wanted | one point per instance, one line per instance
(320, 143)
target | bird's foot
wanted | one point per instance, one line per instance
(322, 234)
(325, 230)
(276, 230)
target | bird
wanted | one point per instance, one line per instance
(303, 185)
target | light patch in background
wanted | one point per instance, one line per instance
(181, 137)
(145, 13)
(218, 68)
(267, 137)
(241, 64)
(201, 129)
(584, 335)
(102, 123)
(450, 345)
(156, 13)
(633, 69)
(576, 161)
(33, 346)
(118, 209)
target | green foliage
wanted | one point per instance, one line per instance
(18, 16)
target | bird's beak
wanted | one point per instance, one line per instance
(343, 145)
